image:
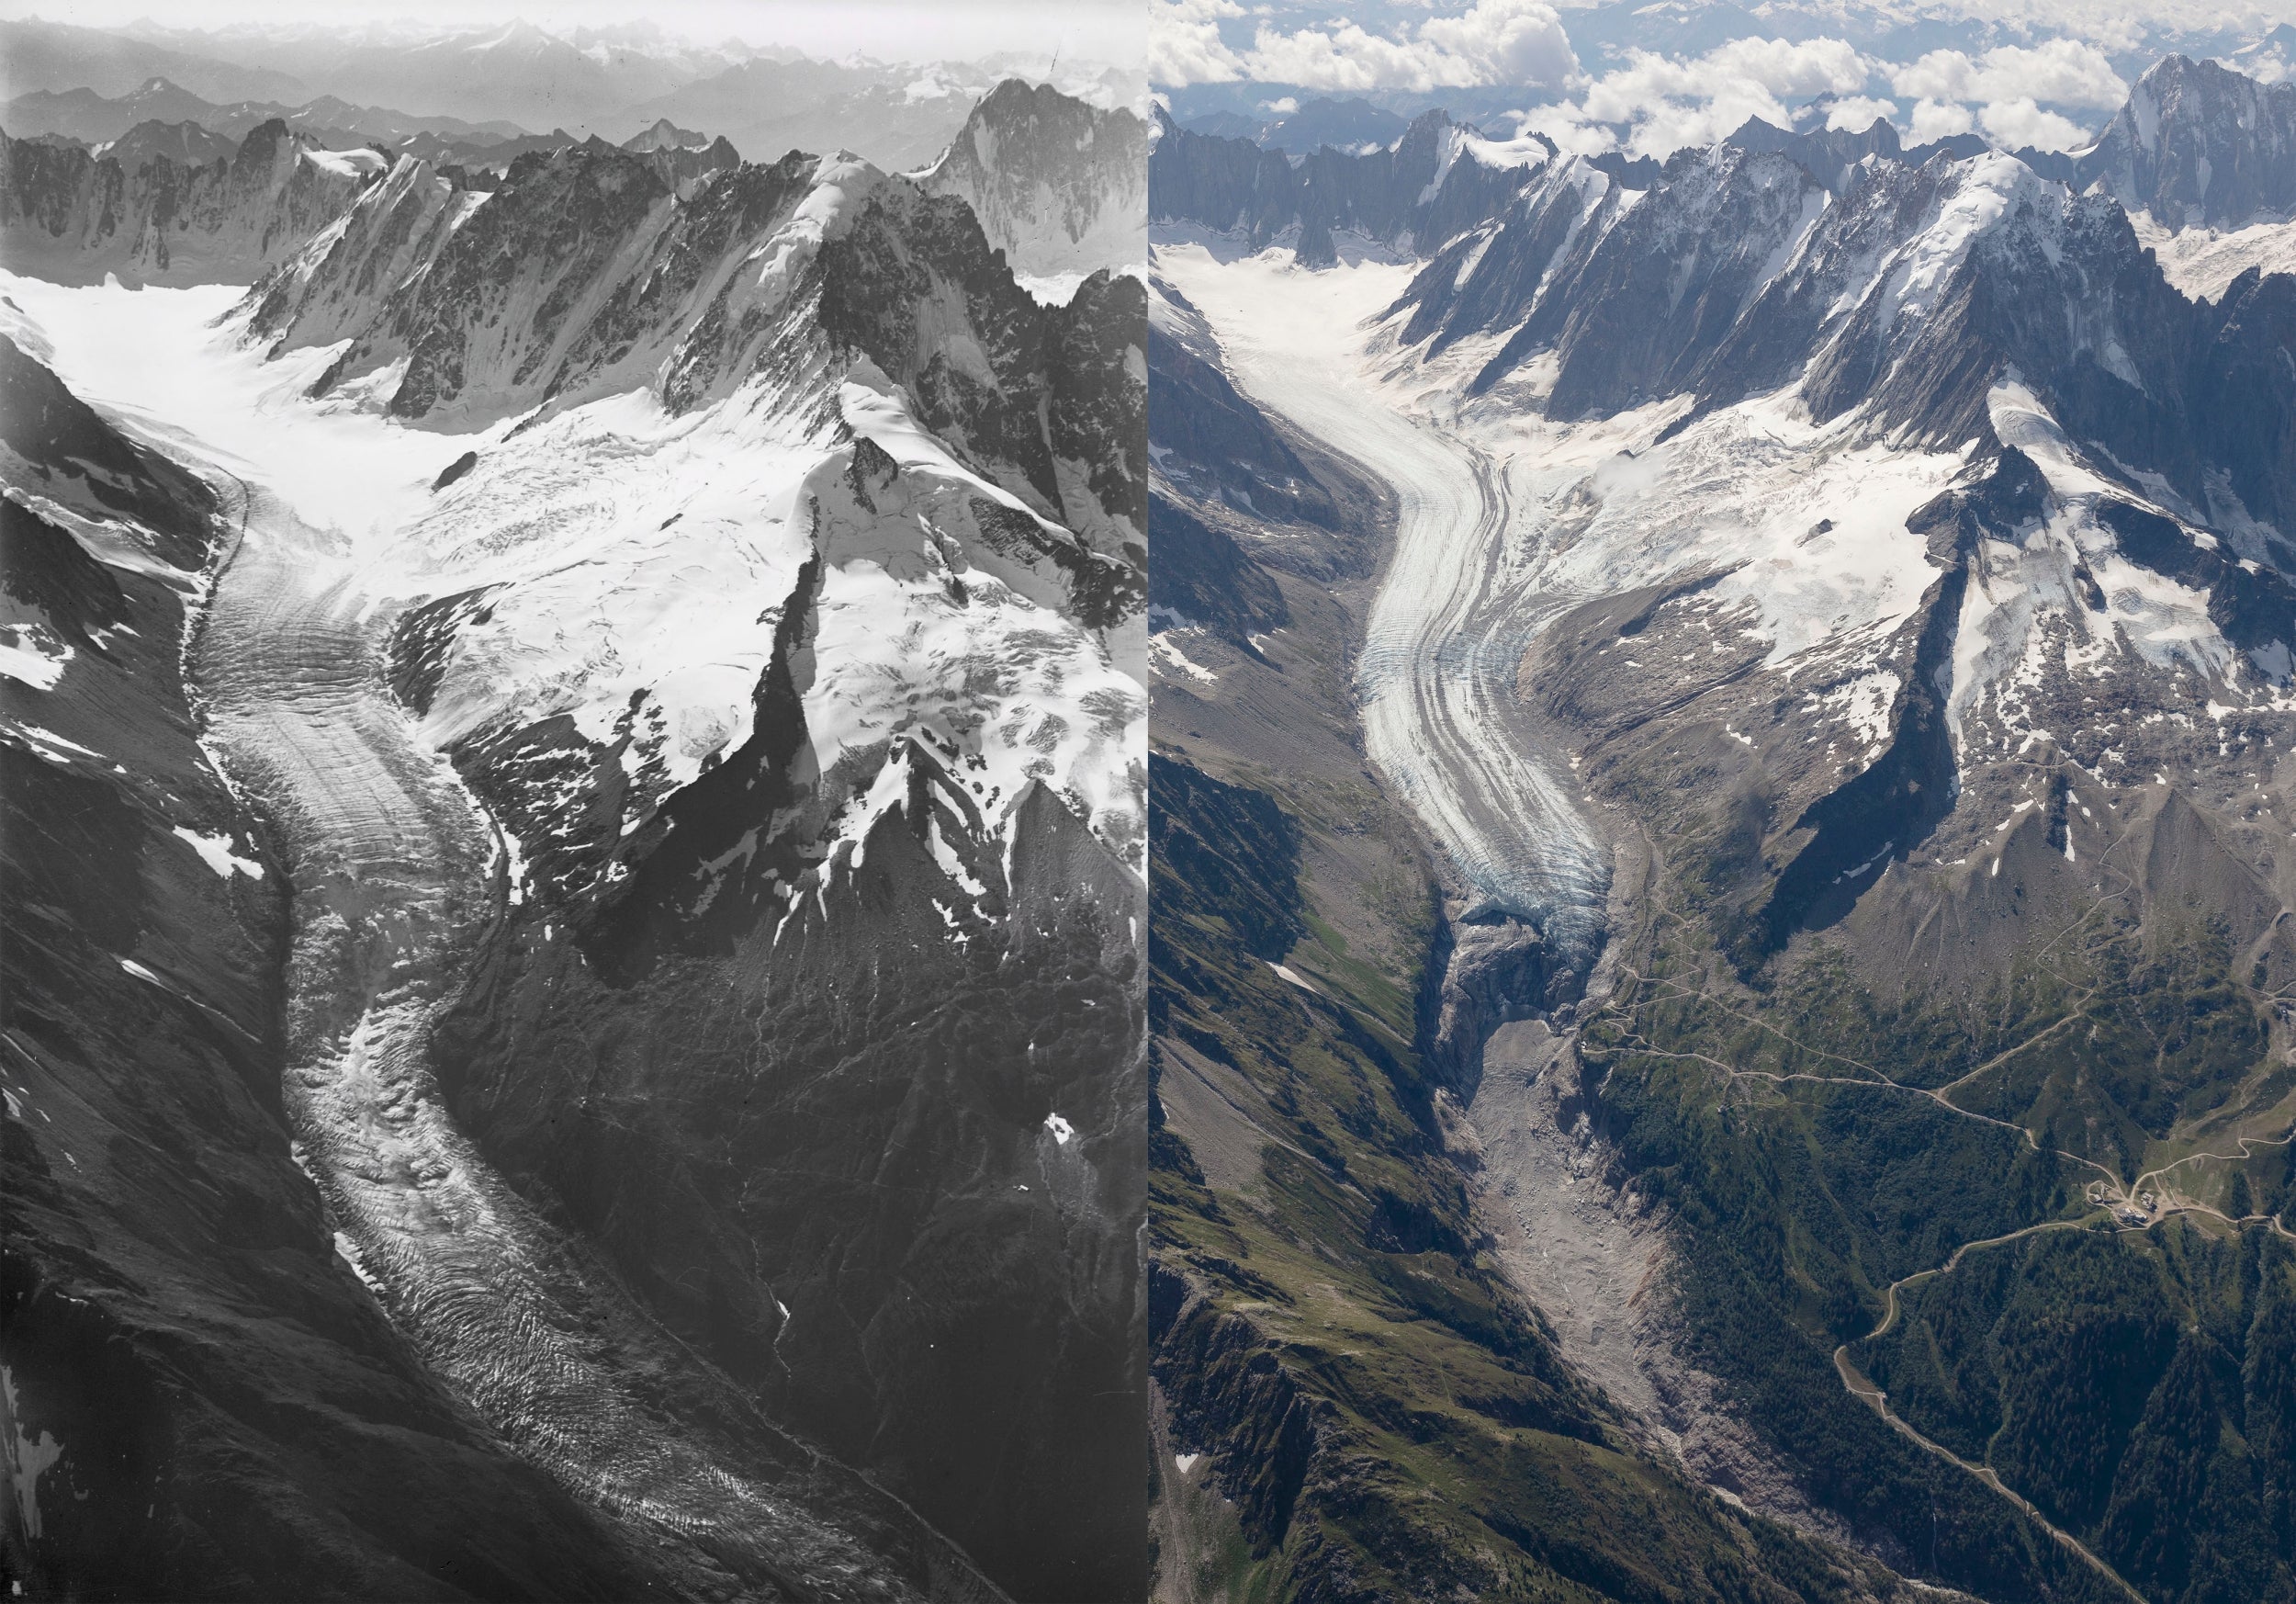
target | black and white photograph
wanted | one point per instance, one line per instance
(573, 748)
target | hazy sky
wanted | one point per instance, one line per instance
(1108, 30)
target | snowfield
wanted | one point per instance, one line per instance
(623, 553)
(2202, 262)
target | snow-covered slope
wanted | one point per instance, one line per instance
(726, 314)
(776, 272)
(2202, 262)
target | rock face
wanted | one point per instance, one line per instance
(74, 218)
(666, 135)
(1438, 178)
(2199, 144)
(1058, 186)
(1829, 154)
(1649, 284)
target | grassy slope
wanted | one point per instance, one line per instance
(1780, 1114)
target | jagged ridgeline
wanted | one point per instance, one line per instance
(686, 857)
(1879, 563)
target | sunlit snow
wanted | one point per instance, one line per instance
(215, 850)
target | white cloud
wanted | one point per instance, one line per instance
(2014, 124)
(1184, 42)
(2062, 72)
(1666, 103)
(1566, 125)
(2264, 67)
(1510, 41)
(1801, 68)
(1283, 107)
(1938, 120)
(1857, 112)
(1515, 42)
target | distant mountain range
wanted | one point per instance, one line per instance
(95, 120)
(443, 98)
(48, 55)
(519, 74)
(1346, 125)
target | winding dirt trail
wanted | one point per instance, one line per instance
(395, 897)
(1878, 1401)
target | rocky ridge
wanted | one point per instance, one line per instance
(1437, 180)
(75, 218)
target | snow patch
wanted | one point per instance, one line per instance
(358, 164)
(215, 850)
(1165, 658)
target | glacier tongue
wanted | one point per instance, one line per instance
(390, 861)
(1441, 716)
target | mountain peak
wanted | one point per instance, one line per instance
(2199, 144)
(1049, 178)
(666, 135)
